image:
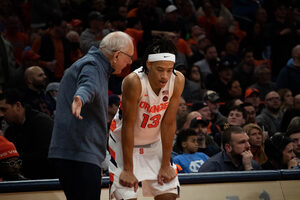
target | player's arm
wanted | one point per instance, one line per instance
(130, 96)
(168, 126)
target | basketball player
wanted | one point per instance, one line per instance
(142, 131)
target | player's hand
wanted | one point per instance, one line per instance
(166, 174)
(76, 107)
(247, 158)
(128, 179)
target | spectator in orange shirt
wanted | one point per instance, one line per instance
(196, 31)
(135, 30)
(54, 48)
(208, 18)
(183, 47)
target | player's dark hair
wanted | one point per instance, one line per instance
(158, 46)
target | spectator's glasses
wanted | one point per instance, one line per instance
(13, 163)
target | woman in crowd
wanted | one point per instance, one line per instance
(256, 141)
(279, 149)
(287, 99)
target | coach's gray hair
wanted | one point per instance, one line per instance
(113, 42)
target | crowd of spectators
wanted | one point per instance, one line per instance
(241, 61)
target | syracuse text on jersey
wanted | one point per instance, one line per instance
(154, 108)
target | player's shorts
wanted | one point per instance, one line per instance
(146, 165)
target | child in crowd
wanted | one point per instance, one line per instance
(190, 160)
(10, 163)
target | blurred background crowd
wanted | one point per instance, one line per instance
(241, 60)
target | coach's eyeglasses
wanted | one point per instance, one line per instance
(126, 54)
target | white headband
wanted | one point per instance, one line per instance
(161, 57)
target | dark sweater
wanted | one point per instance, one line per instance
(289, 78)
(83, 140)
(221, 162)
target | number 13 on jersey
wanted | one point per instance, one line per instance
(152, 122)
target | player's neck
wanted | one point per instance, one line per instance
(156, 90)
